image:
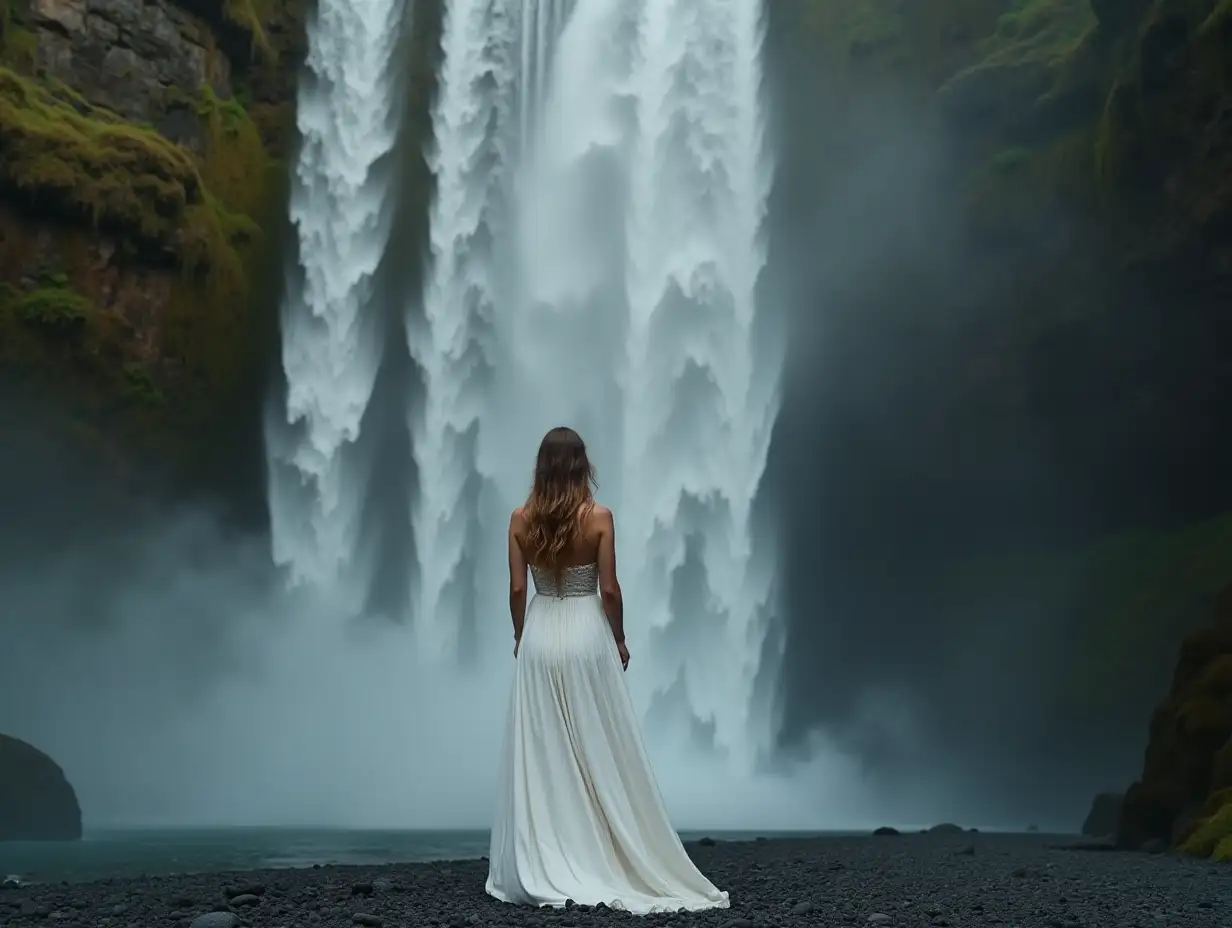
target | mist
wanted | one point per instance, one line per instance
(152, 648)
(925, 426)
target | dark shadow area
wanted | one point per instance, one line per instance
(1000, 467)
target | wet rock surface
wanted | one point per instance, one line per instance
(129, 55)
(920, 880)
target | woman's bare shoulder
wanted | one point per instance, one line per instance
(599, 514)
(518, 516)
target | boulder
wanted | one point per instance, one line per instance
(1101, 821)
(946, 828)
(37, 803)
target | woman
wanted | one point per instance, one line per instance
(579, 815)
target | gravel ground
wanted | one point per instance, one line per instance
(907, 880)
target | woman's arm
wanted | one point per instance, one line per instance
(609, 586)
(517, 577)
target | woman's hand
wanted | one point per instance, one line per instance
(623, 651)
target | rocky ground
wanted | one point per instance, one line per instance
(919, 880)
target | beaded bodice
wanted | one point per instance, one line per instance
(582, 580)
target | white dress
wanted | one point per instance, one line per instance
(578, 812)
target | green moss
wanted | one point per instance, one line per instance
(207, 323)
(248, 15)
(119, 176)
(1047, 30)
(1212, 838)
(18, 47)
(138, 385)
(926, 41)
(18, 44)
(1166, 78)
(1020, 185)
(236, 168)
(56, 307)
(150, 194)
(1219, 20)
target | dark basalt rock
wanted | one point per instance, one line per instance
(37, 803)
(1101, 821)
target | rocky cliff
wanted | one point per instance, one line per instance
(1019, 256)
(1184, 793)
(141, 179)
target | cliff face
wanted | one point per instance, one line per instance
(1087, 149)
(1016, 389)
(140, 188)
(1184, 793)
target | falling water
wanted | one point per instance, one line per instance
(596, 243)
(331, 346)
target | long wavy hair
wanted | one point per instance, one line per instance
(562, 490)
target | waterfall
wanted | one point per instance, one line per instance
(331, 340)
(595, 246)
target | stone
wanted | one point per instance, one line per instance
(135, 57)
(216, 920)
(37, 803)
(68, 16)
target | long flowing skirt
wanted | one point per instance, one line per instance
(578, 812)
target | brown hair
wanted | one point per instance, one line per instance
(564, 479)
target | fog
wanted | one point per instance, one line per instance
(150, 647)
(168, 670)
(898, 457)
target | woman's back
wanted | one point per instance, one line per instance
(580, 550)
(586, 561)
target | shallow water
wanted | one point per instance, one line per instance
(116, 852)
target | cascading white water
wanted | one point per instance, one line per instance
(331, 347)
(594, 247)
(596, 242)
(699, 401)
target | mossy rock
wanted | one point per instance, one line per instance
(37, 803)
(1188, 761)
(1020, 64)
(55, 307)
(924, 42)
(163, 205)
(60, 153)
(1211, 837)
(59, 332)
